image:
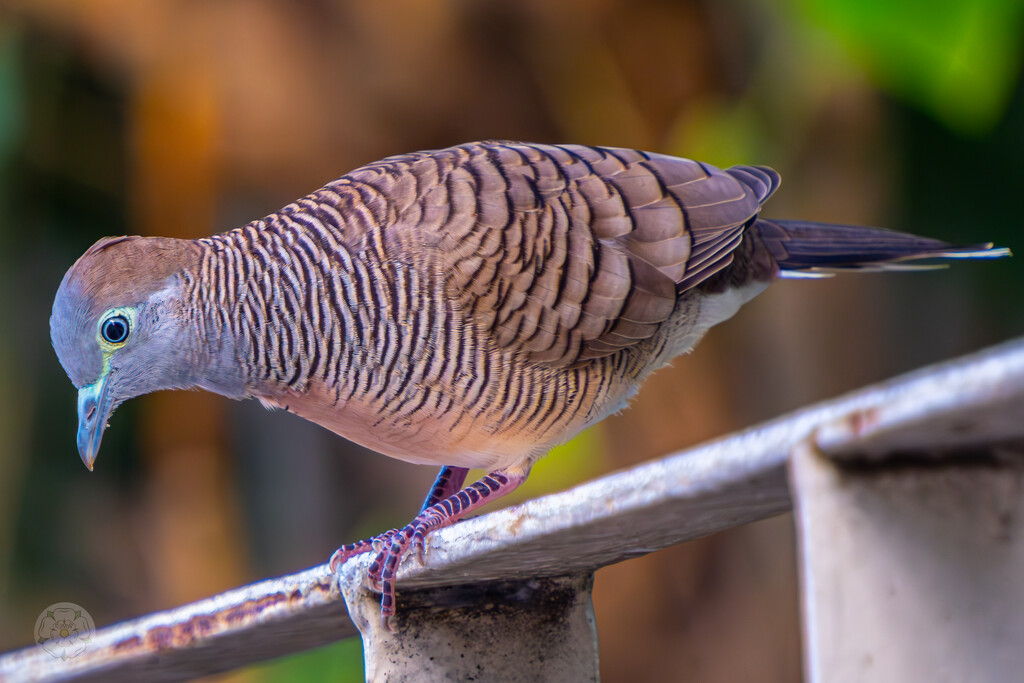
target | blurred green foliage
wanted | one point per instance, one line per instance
(11, 114)
(957, 60)
(340, 662)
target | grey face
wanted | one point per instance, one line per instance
(92, 348)
(114, 329)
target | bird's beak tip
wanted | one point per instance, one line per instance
(88, 453)
(93, 410)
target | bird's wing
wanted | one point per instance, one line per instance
(569, 253)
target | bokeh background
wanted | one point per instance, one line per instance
(188, 117)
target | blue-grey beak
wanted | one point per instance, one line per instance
(93, 412)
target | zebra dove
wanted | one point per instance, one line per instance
(467, 307)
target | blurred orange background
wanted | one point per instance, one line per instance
(184, 118)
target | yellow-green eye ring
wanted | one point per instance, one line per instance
(115, 329)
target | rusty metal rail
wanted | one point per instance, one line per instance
(971, 408)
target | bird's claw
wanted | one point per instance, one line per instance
(372, 544)
(346, 552)
(390, 546)
(419, 547)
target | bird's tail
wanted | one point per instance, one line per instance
(806, 249)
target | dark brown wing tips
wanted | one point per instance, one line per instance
(688, 220)
(719, 206)
(762, 180)
(577, 252)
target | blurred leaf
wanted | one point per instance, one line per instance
(720, 132)
(957, 60)
(564, 466)
(11, 96)
(340, 662)
(12, 115)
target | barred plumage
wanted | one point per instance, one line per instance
(469, 307)
(466, 290)
(351, 302)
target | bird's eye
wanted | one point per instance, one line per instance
(115, 329)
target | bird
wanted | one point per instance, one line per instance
(468, 307)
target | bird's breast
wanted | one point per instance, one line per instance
(443, 431)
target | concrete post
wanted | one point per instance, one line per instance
(911, 570)
(525, 630)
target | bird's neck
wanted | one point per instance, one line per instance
(210, 303)
(276, 318)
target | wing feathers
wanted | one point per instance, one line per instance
(595, 244)
(568, 253)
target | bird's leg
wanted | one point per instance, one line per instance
(441, 514)
(449, 481)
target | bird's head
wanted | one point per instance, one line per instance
(116, 327)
